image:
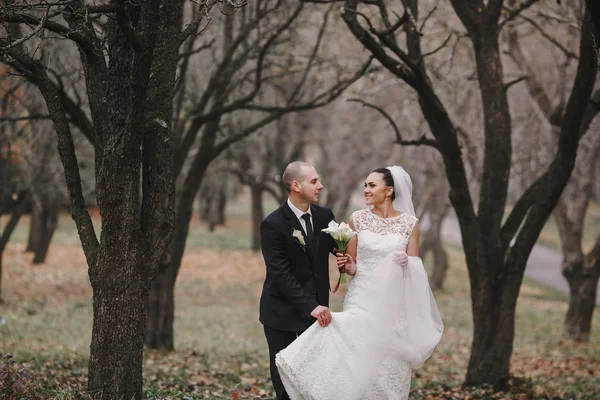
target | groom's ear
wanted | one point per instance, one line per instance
(295, 186)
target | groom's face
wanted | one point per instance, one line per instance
(309, 187)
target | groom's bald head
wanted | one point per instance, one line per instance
(295, 171)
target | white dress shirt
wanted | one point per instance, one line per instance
(299, 213)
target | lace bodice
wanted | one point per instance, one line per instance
(365, 220)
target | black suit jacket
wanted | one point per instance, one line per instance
(297, 279)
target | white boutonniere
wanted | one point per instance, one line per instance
(300, 238)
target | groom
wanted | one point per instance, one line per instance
(296, 288)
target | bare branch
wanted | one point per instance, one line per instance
(508, 84)
(515, 12)
(403, 71)
(313, 55)
(33, 33)
(25, 118)
(223, 145)
(101, 9)
(441, 46)
(200, 49)
(192, 27)
(569, 54)
(55, 27)
(429, 14)
(77, 115)
(419, 142)
(68, 157)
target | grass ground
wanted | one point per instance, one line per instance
(45, 323)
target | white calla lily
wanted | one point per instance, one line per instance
(299, 236)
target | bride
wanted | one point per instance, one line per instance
(390, 322)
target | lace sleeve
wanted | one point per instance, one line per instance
(357, 220)
(411, 222)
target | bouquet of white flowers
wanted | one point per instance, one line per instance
(342, 234)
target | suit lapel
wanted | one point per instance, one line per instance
(294, 223)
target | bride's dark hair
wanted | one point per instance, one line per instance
(387, 178)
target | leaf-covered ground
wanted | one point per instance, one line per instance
(45, 324)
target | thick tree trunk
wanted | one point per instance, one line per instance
(494, 302)
(115, 365)
(257, 214)
(48, 219)
(582, 275)
(129, 90)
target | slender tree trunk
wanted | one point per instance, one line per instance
(433, 242)
(440, 264)
(161, 308)
(47, 226)
(9, 229)
(257, 215)
(1, 255)
(582, 274)
(34, 228)
(160, 335)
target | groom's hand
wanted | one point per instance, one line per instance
(322, 314)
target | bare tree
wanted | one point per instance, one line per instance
(129, 73)
(247, 64)
(14, 196)
(495, 261)
(212, 196)
(581, 270)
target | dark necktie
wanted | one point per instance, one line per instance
(310, 235)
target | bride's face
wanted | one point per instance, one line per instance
(376, 192)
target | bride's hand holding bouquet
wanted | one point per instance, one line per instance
(341, 234)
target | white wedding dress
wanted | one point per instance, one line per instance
(389, 323)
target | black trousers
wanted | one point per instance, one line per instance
(277, 341)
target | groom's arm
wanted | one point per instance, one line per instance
(273, 249)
